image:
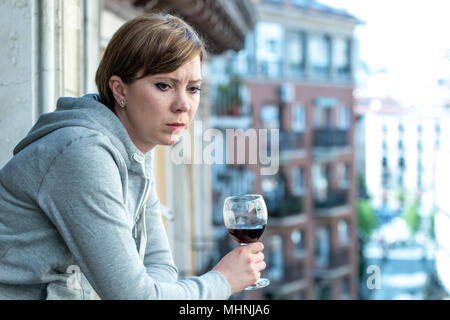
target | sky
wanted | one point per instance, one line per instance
(408, 39)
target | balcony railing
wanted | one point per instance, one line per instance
(334, 198)
(290, 140)
(336, 259)
(285, 207)
(294, 271)
(340, 257)
(330, 137)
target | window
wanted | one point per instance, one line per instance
(273, 188)
(319, 55)
(341, 57)
(323, 117)
(320, 181)
(269, 51)
(343, 174)
(298, 241)
(401, 163)
(322, 247)
(384, 162)
(295, 48)
(275, 257)
(344, 233)
(344, 118)
(299, 183)
(242, 63)
(298, 118)
(270, 117)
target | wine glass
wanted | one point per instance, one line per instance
(245, 218)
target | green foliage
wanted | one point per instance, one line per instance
(400, 195)
(367, 218)
(229, 97)
(412, 217)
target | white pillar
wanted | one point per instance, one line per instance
(91, 38)
(18, 84)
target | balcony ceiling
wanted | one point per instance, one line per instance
(223, 23)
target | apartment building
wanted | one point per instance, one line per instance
(295, 75)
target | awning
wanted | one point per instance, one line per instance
(223, 23)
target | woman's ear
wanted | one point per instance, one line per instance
(118, 89)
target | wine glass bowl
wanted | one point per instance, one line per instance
(245, 218)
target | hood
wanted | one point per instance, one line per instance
(88, 112)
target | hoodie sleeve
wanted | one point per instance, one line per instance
(158, 257)
(82, 195)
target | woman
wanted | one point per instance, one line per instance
(79, 213)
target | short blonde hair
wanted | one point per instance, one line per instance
(149, 44)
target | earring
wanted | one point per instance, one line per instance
(122, 104)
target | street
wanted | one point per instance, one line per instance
(406, 267)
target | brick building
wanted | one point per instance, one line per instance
(295, 74)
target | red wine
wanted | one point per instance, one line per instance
(246, 234)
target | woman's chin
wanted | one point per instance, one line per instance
(174, 138)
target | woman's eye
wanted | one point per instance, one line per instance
(162, 86)
(195, 89)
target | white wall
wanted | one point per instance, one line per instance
(18, 69)
(49, 48)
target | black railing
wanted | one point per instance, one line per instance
(290, 140)
(285, 207)
(334, 198)
(330, 137)
(339, 257)
(293, 271)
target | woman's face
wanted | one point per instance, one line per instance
(160, 107)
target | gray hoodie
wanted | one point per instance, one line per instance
(79, 215)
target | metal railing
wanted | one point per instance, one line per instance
(285, 207)
(330, 137)
(334, 198)
(290, 140)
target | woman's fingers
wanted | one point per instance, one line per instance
(255, 247)
(261, 265)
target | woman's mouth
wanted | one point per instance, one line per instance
(175, 126)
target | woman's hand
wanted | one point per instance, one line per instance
(242, 266)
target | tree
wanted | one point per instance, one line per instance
(412, 217)
(367, 219)
(367, 223)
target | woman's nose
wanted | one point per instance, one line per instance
(181, 103)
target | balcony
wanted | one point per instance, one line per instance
(330, 138)
(229, 107)
(288, 206)
(340, 257)
(291, 141)
(338, 264)
(231, 121)
(293, 279)
(334, 198)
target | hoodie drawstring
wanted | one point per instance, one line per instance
(143, 241)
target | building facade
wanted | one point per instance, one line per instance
(295, 76)
(403, 158)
